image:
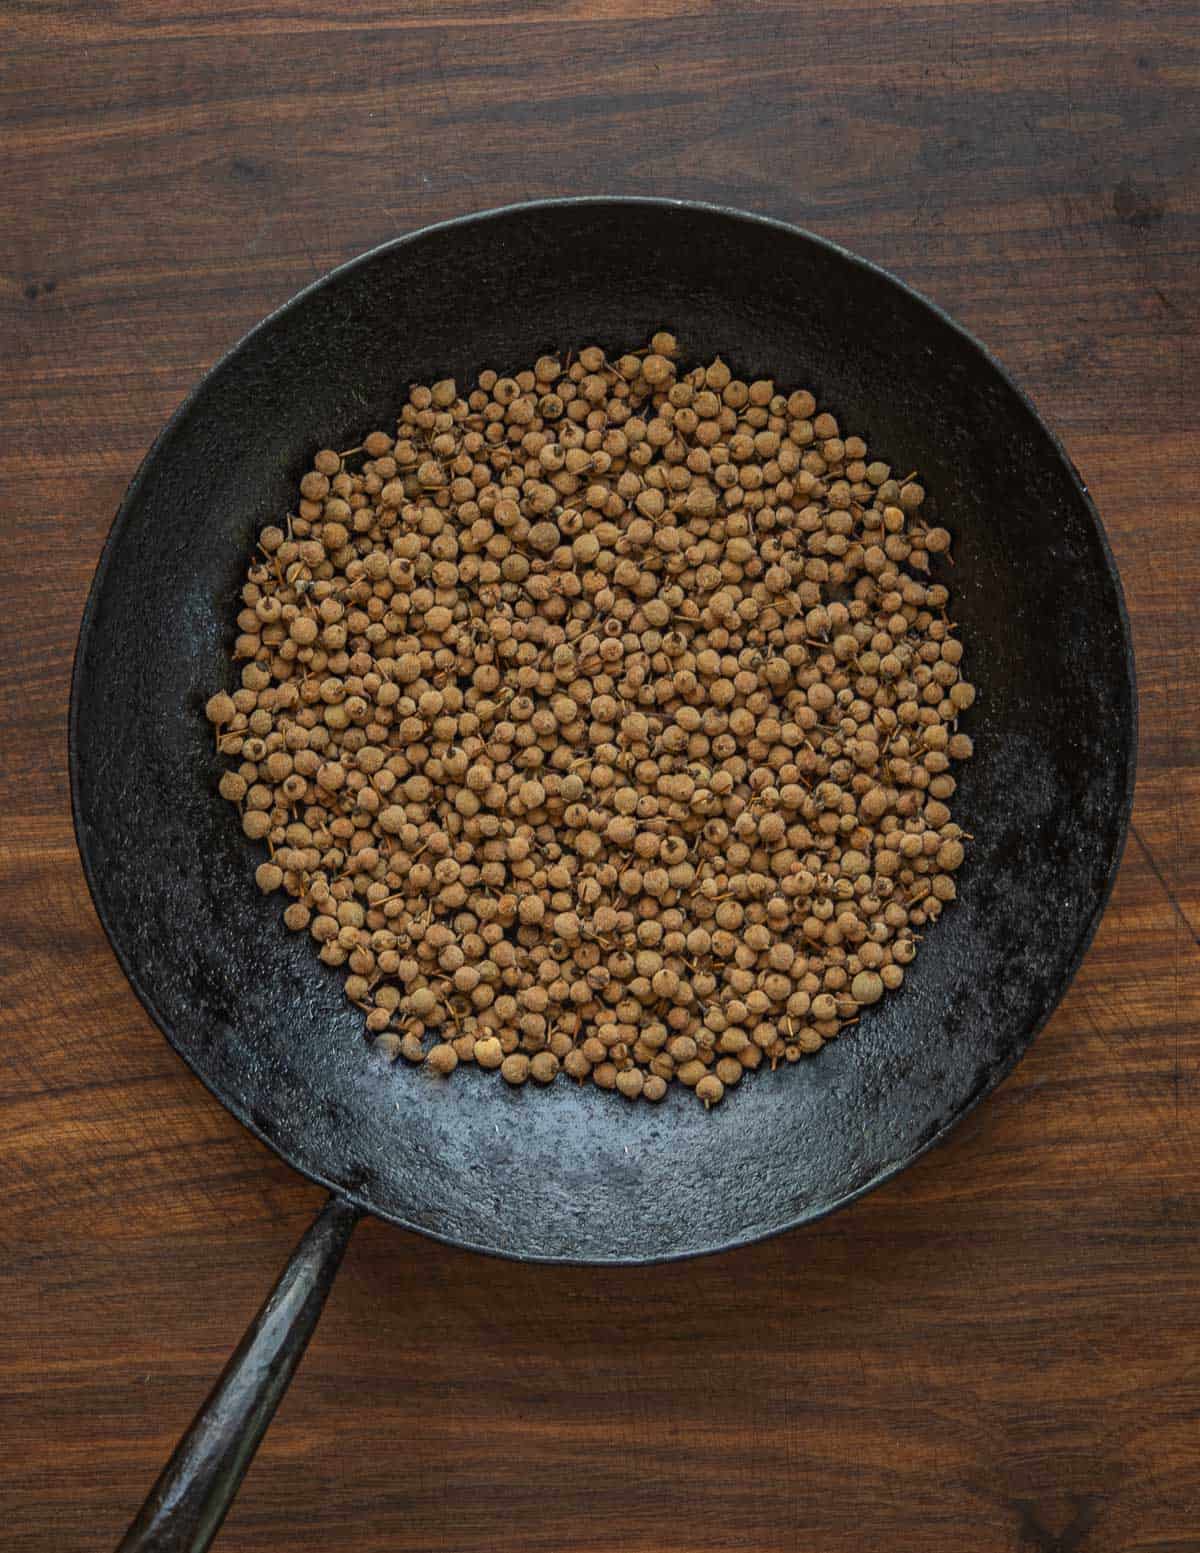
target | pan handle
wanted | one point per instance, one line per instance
(184, 1510)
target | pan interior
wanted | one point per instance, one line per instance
(574, 1173)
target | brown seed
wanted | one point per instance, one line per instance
(513, 1070)
(710, 1089)
(544, 1067)
(630, 1083)
(867, 987)
(269, 876)
(443, 1058)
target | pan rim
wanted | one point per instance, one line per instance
(996, 1075)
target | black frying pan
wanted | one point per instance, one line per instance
(574, 1174)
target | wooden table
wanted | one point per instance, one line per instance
(997, 1351)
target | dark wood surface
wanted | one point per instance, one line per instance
(997, 1351)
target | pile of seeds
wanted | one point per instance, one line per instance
(600, 721)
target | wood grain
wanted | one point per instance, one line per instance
(998, 1351)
